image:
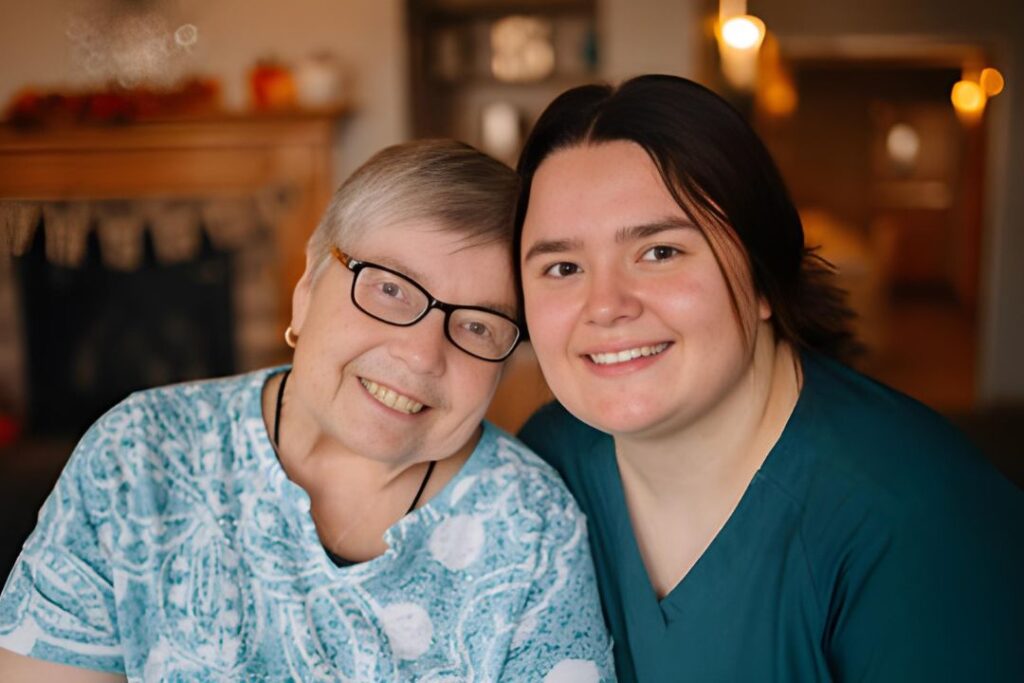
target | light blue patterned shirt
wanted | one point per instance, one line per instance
(175, 548)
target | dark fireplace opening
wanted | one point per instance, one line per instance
(94, 334)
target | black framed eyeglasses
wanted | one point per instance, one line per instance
(390, 297)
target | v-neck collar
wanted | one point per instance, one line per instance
(631, 570)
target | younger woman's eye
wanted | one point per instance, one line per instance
(562, 269)
(660, 253)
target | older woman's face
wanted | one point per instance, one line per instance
(343, 353)
(628, 309)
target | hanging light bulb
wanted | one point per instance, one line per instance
(739, 39)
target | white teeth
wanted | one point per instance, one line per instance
(628, 354)
(402, 404)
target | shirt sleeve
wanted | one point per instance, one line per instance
(561, 635)
(58, 603)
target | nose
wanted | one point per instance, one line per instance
(423, 346)
(611, 299)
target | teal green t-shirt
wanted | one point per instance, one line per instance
(874, 544)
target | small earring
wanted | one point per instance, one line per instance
(290, 338)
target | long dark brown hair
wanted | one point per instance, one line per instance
(722, 176)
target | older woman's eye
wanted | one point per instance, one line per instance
(477, 328)
(392, 290)
(562, 269)
(660, 253)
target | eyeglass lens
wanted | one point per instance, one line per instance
(397, 300)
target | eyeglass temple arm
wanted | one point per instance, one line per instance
(345, 259)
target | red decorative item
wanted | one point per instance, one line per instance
(194, 97)
(272, 86)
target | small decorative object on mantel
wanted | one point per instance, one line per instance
(33, 108)
(320, 82)
(272, 85)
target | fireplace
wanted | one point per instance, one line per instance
(149, 253)
(95, 334)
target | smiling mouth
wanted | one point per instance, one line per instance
(627, 355)
(392, 399)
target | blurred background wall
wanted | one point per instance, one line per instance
(904, 26)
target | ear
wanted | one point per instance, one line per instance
(302, 295)
(764, 309)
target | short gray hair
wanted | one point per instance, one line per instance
(461, 188)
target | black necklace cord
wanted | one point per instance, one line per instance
(277, 410)
(423, 486)
(277, 440)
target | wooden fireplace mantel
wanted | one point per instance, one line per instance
(225, 155)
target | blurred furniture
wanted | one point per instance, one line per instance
(481, 71)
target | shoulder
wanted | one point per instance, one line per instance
(190, 406)
(179, 416)
(849, 428)
(883, 481)
(168, 436)
(520, 468)
(896, 491)
(558, 437)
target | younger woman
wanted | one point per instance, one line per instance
(758, 510)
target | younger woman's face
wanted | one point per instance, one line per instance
(628, 309)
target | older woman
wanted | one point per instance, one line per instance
(348, 518)
(759, 511)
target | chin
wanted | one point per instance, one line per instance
(376, 447)
(622, 418)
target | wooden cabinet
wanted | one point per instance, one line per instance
(456, 51)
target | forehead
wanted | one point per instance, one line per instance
(596, 186)
(450, 264)
(589, 193)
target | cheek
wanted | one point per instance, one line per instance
(472, 386)
(701, 298)
(549, 316)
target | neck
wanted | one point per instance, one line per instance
(713, 457)
(354, 499)
(323, 466)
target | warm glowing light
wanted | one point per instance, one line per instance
(991, 81)
(903, 144)
(743, 33)
(968, 97)
(779, 99)
(775, 93)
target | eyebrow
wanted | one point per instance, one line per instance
(504, 309)
(644, 230)
(400, 267)
(622, 235)
(541, 247)
(418, 278)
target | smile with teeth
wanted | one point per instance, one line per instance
(627, 354)
(391, 399)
